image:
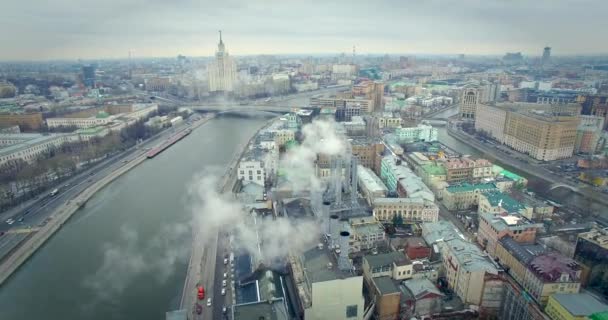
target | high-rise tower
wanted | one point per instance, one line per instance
(222, 71)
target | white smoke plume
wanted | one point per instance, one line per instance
(319, 137)
(213, 210)
(127, 258)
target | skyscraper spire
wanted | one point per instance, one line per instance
(220, 46)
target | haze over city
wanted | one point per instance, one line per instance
(71, 29)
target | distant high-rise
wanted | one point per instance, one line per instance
(546, 56)
(222, 71)
(88, 76)
(469, 99)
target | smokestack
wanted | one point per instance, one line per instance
(334, 229)
(338, 180)
(353, 181)
(325, 218)
(316, 199)
(343, 261)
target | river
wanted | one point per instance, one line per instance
(561, 195)
(124, 255)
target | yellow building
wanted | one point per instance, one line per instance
(577, 306)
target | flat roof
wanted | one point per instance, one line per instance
(580, 304)
(470, 257)
(316, 266)
(370, 179)
(268, 310)
(29, 143)
(467, 187)
(522, 252)
(385, 285)
(386, 259)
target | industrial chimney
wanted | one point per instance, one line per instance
(334, 229)
(353, 181)
(343, 260)
(325, 216)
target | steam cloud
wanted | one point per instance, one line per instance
(319, 137)
(125, 260)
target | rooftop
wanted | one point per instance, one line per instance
(371, 181)
(441, 230)
(434, 169)
(468, 187)
(421, 287)
(385, 285)
(386, 259)
(597, 236)
(268, 310)
(29, 143)
(522, 252)
(551, 266)
(512, 222)
(321, 265)
(470, 257)
(496, 198)
(580, 304)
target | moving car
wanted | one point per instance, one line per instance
(224, 310)
(225, 275)
(201, 293)
(223, 283)
(199, 309)
(223, 291)
(209, 302)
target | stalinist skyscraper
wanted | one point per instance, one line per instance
(222, 71)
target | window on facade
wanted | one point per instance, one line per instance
(351, 311)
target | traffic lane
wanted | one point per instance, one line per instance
(220, 269)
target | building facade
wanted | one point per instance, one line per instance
(469, 99)
(412, 210)
(222, 71)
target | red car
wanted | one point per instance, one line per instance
(201, 293)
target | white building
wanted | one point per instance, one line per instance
(370, 184)
(252, 170)
(325, 291)
(410, 209)
(422, 132)
(79, 122)
(222, 71)
(142, 110)
(29, 148)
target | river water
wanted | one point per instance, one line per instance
(561, 195)
(124, 255)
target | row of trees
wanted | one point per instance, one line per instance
(20, 181)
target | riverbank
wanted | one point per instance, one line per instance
(24, 250)
(208, 255)
(540, 173)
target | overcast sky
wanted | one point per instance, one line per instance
(69, 29)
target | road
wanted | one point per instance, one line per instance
(528, 166)
(37, 211)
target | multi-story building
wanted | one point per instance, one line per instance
(370, 184)
(464, 196)
(222, 71)
(326, 290)
(346, 112)
(30, 146)
(393, 264)
(25, 121)
(491, 121)
(467, 169)
(592, 253)
(283, 136)
(251, 169)
(596, 105)
(355, 128)
(412, 210)
(366, 233)
(368, 152)
(517, 305)
(416, 248)
(551, 273)
(588, 134)
(363, 105)
(393, 172)
(493, 227)
(389, 120)
(101, 119)
(472, 275)
(387, 298)
(545, 132)
(573, 306)
(501, 203)
(422, 132)
(469, 99)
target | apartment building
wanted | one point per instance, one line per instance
(412, 210)
(466, 169)
(464, 196)
(493, 227)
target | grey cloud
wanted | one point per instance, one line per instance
(71, 28)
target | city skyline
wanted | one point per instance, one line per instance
(158, 29)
